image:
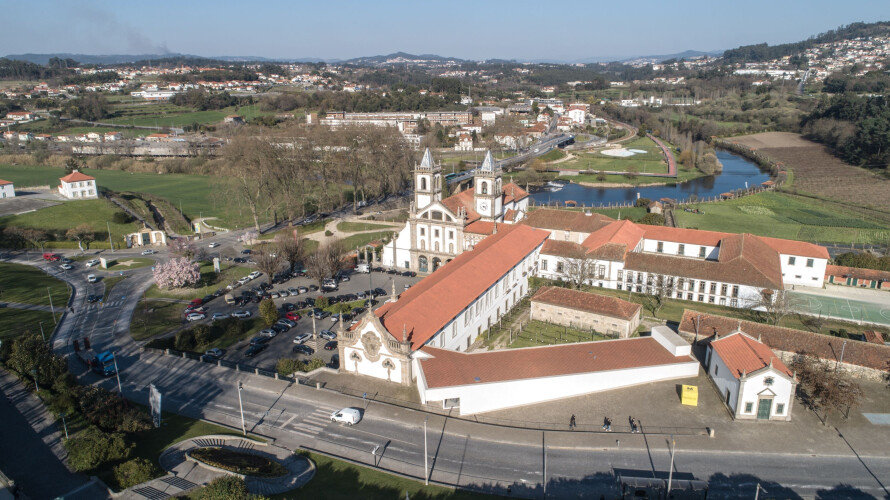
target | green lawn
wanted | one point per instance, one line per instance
(14, 322)
(553, 155)
(59, 218)
(336, 479)
(538, 333)
(109, 285)
(133, 263)
(352, 227)
(28, 285)
(153, 318)
(360, 240)
(781, 215)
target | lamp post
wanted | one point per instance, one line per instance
(36, 386)
(241, 406)
(110, 243)
(671, 470)
(41, 332)
(117, 373)
(426, 467)
(51, 307)
(65, 425)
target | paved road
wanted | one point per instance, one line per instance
(461, 452)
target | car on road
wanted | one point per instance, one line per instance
(241, 314)
(239, 260)
(207, 298)
(348, 416)
(322, 315)
(218, 316)
(288, 307)
(305, 349)
(274, 294)
(312, 288)
(148, 251)
(330, 346)
(362, 296)
(254, 275)
(213, 353)
(328, 335)
(92, 299)
(92, 278)
(380, 292)
(254, 350)
(51, 257)
(92, 262)
(409, 274)
(66, 260)
(67, 267)
(303, 337)
(213, 245)
(260, 339)
(268, 332)
(246, 251)
(195, 316)
(292, 315)
(283, 293)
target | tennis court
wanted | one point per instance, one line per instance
(841, 308)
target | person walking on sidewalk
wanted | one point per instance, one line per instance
(572, 422)
(633, 425)
(607, 424)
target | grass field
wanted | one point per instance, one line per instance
(360, 240)
(683, 174)
(352, 227)
(27, 285)
(70, 214)
(781, 215)
(14, 322)
(651, 162)
(538, 333)
(154, 318)
(109, 285)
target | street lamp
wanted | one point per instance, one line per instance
(34, 372)
(426, 467)
(241, 405)
(671, 469)
(64, 424)
(118, 374)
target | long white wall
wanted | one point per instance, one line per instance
(723, 379)
(799, 273)
(479, 398)
(401, 257)
(673, 248)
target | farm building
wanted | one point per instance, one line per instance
(854, 276)
(7, 189)
(586, 311)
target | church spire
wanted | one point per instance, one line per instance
(427, 161)
(488, 164)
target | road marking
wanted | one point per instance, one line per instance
(291, 419)
(308, 428)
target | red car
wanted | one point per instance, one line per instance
(196, 302)
(51, 257)
(293, 316)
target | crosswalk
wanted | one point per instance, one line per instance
(313, 423)
(103, 305)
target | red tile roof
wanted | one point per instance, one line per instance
(510, 215)
(512, 192)
(738, 271)
(560, 248)
(801, 248)
(4, 183)
(465, 200)
(622, 232)
(743, 354)
(425, 308)
(873, 337)
(683, 235)
(788, 339)
(77, 177)
(567, 220)
(451, 368)
(590, 302)
(480, 227)
(857, 272)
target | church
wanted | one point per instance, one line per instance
(439, 229)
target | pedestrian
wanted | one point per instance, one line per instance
(633, 425)
(607, 424)
(572, 422)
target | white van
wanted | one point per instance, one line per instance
(349, 416)
(363, 268)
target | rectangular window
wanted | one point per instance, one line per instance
(681, 282)
(618, 287)
(791, 261)
(723, 288)
(601, 272)
(701, 286)
(620, 274)
(809, 262)
(714, 288)
(422, 232)
(436, 233)
(630, 276)
(467, 318)
(749, 407)
(722, 301)
(701, 298)
(543, 264)
(780, 408)
(733, 302)
(689, 296)
(701, 252)
(559, 267)
(691, 285)
(735, 290)
(681, 250)
(450, 235)
(660, 247)
(711, 299)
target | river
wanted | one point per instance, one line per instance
(736, 172)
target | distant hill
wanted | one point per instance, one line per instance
(90, 59)
(399, 58)
(765, 52)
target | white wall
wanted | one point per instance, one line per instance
(808, 276)
(752, 386)
(723, 379)
(78, 190)
(368, 367)
(402, 253)
(7, 191)
(672, 248)
(485, 397)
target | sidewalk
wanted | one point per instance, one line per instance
(27, 307)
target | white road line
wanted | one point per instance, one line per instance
(307, 428)
(291, 419)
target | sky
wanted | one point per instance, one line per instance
(469, 29)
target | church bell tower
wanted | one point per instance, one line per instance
(427, 181)
(487, 189)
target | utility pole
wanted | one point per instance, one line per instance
(110, 243)
(118, 374)
(241, 405)
(843, 348)
(51, 308)
(426, 467)
(544, 448)
(757, 491)
(64, 424)
(671, 470)
(41, 332)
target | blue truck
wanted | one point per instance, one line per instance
(101, 363)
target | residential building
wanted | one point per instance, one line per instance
(20, 116)
(233, 119)
(146, 237)
(464, 143)
(78, 186)
(752, 381)
(440, 229)
(585, 311)
(7, 189)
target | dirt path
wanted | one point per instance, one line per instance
(331, 226)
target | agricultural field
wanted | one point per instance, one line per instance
(57, 219)
(164, 114)
(819, 173)
(782, 215)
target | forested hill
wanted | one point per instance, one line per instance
(765, 52)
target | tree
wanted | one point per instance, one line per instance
(72, 164)
(326, 260)
(268, 312)
(35, 237)
(579, 266)
(652, 219)
(268, 262)
(292, 250)
(83, 234)
(227, 488)
(135, 471)
(774, 305)
(29, 352)
(251, 163)
(321, 302)
(91, 447)
(658, 293)
(823, 388)
(176, 273)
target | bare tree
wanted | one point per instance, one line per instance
(579, 266)
(292, 250)
(659, 291)
(268, 261)
(822, 388)
(83, 234)
(774, 305)
(251, 162)
(326, 260)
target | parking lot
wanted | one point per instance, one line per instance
(281, 346)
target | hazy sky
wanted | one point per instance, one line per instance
(468, 29)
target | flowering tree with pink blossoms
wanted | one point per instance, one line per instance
(176, 273)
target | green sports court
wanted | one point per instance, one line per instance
(842, 308)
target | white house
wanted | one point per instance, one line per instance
(752, 381)
(495, 380)
(20, 116)
(78, 186)
(464, 143)
(7, 190)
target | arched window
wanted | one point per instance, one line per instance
(423, 244)
(436, 246)
(484, 188)
(423, 183)
(436, 263)
(423, 264)
(451, 248)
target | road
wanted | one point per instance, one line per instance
(461, 452)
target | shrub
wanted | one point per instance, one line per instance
(161, 343)
(268, 312)
(642, 202)
(327, 232)
(111, 412)
(203, 335)
(185, 341)
(226, 488)
(321, 302)
(135, 471)
(91, 448)
(652, 219)
(121, 218)
(286, 366)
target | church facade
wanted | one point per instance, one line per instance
(439, 229)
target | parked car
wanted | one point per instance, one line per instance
(348, 416)
(260, 340)
(254, 275)
(274, 294)
(207, 298)
(293, 316)
(195, 316)
(51, 257)
(288, 322)
(322, 315)
(380, 292)
(254, 350)
(148, 251)
(239, 260)
(288, 307)
(92, 262)
(327, 335)
(330, 346)
(218, 316)
(92, 278)
(246, 251)
(305, 349)
(67, 267)
(241, 314)
(213, 353)
(268, 332)
(213, 245)
(313, 288)
(283, 293)
(280, 327)
(303, 337)
(293, 291)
